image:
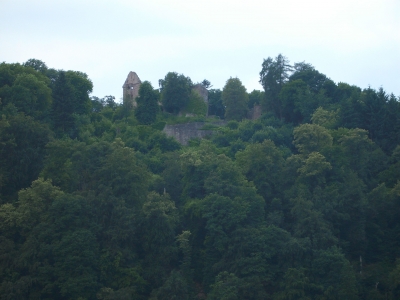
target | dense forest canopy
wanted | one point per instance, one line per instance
(96, 202)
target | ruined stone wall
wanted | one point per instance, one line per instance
(254, 113)
(203, 92)
(184, 132)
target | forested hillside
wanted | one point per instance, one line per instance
(96, 202)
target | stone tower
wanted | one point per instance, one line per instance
(131, 89)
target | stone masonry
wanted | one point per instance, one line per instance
(184, 132)
(131, 89)
(203, 92)
(254, 113)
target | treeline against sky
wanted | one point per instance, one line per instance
(96, 202)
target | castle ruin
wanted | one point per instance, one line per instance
(131, 89)
(181, 132)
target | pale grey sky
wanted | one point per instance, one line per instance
(352, 41)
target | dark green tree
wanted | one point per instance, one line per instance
(36, 64)
(70, 96)
(314, 79)
(82, 86)
(325, 118)
(235, 99)
(263, 164)
(110, 102)
(350, 105)
(58, 250)
(175, 287)
(22, 151)
(373, 111)
(274, 74)
(175, 91)
(391, 125)
(23, 89)
(295, 285)
(311, 138)
(147, 104)
(334, 275)
(206, 84)
(76, 253)
(256, 97)
(297, 102)
(19, 268)
(9, 72)
(158, 237)
(225, 287)
(31, 96)
(63, 108)
(186, 250)
(215, 105)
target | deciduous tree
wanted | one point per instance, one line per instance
(175, 91)
(235, 99)
(147, 104)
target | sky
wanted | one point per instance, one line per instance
(352, 41)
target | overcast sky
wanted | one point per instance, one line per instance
(352, 41)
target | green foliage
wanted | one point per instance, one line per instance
(70, 96)
(196, 105)
(232, 124)
(36, 64)
(160, 141)
(325, 118)
(314, 165)
(63, 105)
(296, 101)
(75, 166)
(96, 202)
(34, 203)
(31, 96)
(309, 138)
(225, 287)
(256, 97)
(315, 80)
(175, 92)
(76, 259)
(26, 90)
(274, 74)
(295, 285)
(22, 142)
(159, 125)
(335, 275)
(175, 287)
(215, 104)
(82, 86)
(158, 237)
(147, 104)
(185, 247)
(262, 163)
(235, 99)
